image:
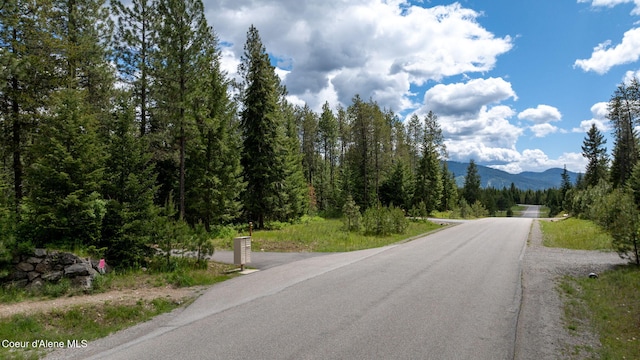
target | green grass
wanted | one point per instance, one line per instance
(78, 323)
(611, 305)
(575, 234)
(324, 235)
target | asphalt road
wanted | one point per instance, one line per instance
(531, 211)
(452, 295)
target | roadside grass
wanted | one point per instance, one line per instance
(324, 235)
(80, 323)
(576, 234)
(610, 305)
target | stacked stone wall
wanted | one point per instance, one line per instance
(35, 269)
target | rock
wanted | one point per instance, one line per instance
(35, 284)
(25, 266)
(18, 275)
(32, 275)
(20, 283)
(44, 266)
(93, 273)
(34, 260)
(84, 282)
(53, 276)
(68, 259)
(76, 270)
(40, 252)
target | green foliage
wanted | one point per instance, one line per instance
(64, 205)
(200, 242)
(595, 152)
(352, 216)
(618, 214)
(384, 221)
(471, 190)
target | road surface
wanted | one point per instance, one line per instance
(531, 211)
(454, 294)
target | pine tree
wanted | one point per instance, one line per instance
(596, 154)
(28, 61)
(135, 42)
(294, 195)
(64, 206)
(328, 136)
(262, 128)
(471, 190)
(129, 188)
(449, 189)
(183, 40)
(214, 175)
(428, 188)
(624, 115)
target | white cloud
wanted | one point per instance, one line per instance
(542, 130)
(374, 48)
(600, 111)
(604, 57)
(612, 3)
(467, 98)
(537, 160)
(541, 114)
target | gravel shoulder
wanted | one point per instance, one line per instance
(541, 332)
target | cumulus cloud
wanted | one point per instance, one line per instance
(467, 98)
(612, 3)
(604, 57)
(600, 111)
(541, 115)
(537, 160)
(542, 130)
(373, 48)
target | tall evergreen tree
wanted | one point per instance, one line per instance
(428, 188)
(596, 154)
(214, 175)
(449, 189)
(129, 189)
(471, 190)
(29, 62)
(624, 114)
(135, 42)
(328, 137)
(262, 130)
(64, 205)
(183, 40)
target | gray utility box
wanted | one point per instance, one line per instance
(242, 250)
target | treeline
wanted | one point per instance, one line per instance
(120, 130)
(609, 192)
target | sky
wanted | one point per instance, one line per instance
(515, 84)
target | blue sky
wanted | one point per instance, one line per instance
(515, 84)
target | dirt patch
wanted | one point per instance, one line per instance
(542, 332)
(120, 297)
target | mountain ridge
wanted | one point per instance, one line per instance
(527, 180)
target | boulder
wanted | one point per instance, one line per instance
(25, 266)
(68, 259)
(40, 252)
(53, 276)
(35, 284)
(84, 282)
(32, 275)
(76, 270)
(44, 266)
(34, 260)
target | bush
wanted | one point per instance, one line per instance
(352, 216)
(384, 221)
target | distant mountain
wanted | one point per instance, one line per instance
(498, 179)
